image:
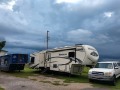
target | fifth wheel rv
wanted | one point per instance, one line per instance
(70, 59)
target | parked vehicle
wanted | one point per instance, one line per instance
(70, 59)
(13, 62)
(106, 71)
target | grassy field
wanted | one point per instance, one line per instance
(66, 77)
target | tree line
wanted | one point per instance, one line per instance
(2, 44)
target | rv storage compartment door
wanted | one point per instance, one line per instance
(76, 69)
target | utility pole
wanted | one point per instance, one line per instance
(47, 39)
(47, 56)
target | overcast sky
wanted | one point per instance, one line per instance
(23, 24)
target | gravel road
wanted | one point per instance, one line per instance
(40, 82)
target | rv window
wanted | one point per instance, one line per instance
(71, 54)
(54, 65)
(94, 54)
(32, 59)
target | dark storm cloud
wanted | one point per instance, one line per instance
(6, 31)
(23, 24)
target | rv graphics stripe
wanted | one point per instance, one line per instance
(69, 58)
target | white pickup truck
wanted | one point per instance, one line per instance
(106, 71)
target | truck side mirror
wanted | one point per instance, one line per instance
(116, 67)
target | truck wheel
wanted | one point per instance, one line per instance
(113, 81)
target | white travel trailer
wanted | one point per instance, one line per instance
(70, 59)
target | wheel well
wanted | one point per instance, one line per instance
(114, 75)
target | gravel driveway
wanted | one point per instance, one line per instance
(40, 82)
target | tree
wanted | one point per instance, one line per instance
(2, 44)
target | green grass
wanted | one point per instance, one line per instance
(2, 88)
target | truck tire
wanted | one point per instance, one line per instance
(113, 82)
